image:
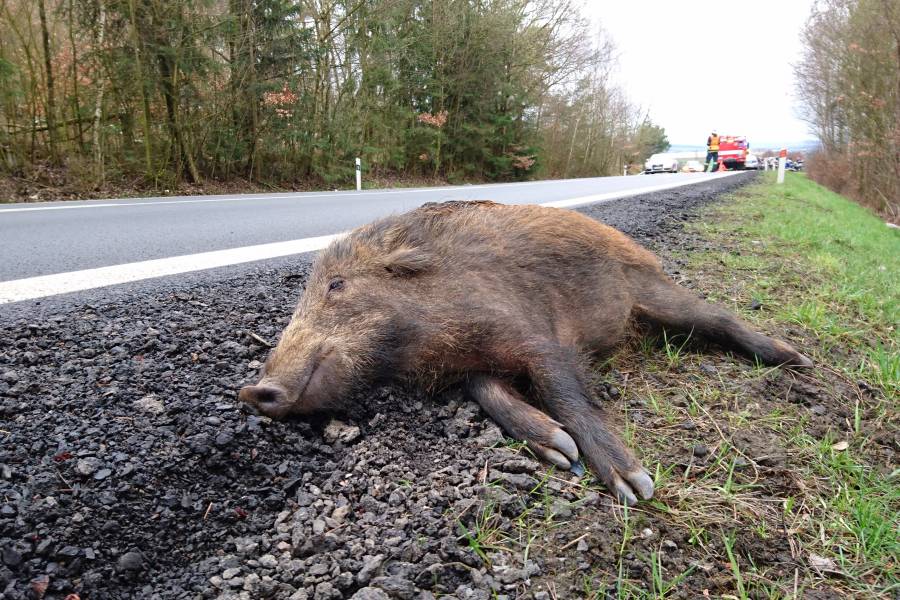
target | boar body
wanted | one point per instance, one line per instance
(502, 298)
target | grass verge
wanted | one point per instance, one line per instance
(770, 483)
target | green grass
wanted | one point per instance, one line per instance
(827, 267)
(797, 470)
(830, 265)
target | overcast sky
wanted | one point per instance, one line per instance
(702, 65)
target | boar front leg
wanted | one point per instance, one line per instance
(561, 387)
(523, 421)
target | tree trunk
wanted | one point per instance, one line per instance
(167, 74)
(48, 67)
(98, 103)
(76, 101)
(142, 86)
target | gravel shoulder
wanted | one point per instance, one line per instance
(127, 469)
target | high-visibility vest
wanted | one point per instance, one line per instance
(713, 143)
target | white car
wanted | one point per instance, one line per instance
(751, 162)
(660, 163)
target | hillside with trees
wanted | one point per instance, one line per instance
(849, 83)
(149, 95)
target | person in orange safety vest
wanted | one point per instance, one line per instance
(712, 150)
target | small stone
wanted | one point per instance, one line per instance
(582, 545)
(231, 573)
(87, 466)
(267, 561)
(340, 513)
(318, 527)
(150, 404)
(371, 564)
(369, 593)
(68, 552)
(755, 304)
(11, 558)
(102, 474)
(340, 431)
(131, 561)
(646, 533)
(251, 582)
(818, 409)
(669, 545)
(326, 591)
(700, 450)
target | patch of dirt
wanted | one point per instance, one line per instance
(127, 469)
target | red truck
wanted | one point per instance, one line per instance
(733, 150)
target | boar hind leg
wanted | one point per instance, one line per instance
(561, 387)
(523, 421)
(663, 302)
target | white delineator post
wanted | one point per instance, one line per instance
(782, 159)
(625, 170)
(358, 174)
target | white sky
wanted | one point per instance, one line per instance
(696, 65)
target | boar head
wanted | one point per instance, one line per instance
(356, 321)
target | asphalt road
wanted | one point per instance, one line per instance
(47, 239)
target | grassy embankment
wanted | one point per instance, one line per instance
(770, 484)
(826, 273)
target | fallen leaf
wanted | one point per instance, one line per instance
(842, 445)
(821, 563)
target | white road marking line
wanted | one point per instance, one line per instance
(76, 281)
(597, 198)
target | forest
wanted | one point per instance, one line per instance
(100, 95)
(849, 83)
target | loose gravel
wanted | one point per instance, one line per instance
(128, 470)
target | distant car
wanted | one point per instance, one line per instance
(751, 162)
(693, 166)
(660, 163)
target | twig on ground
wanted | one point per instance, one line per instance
(260, 340)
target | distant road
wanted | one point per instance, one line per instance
(60, 247)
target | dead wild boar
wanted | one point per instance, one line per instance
(502, 298)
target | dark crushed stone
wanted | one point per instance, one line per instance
(129, 470)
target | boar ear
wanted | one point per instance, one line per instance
(406, 261)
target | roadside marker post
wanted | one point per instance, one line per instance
(358, 174)
(782, 159)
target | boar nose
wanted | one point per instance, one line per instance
(263, 396)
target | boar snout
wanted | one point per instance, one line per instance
(269, 399)
(281, 392)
